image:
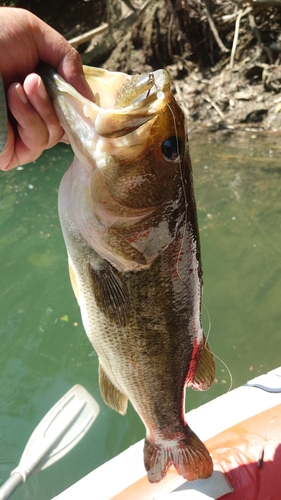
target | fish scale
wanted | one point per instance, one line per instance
(128, 216)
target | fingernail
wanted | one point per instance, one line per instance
(41, 89)
(20, 93)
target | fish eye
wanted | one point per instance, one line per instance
(171, 149)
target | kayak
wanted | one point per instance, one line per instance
(242, 432)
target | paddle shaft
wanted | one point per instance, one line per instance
(10, 485)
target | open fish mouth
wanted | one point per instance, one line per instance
(136, 100)
(119, 90)
(121, 103)
(120, 117)
(127, 101)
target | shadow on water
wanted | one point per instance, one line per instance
(44, 350)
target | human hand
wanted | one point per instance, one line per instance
(24, 41)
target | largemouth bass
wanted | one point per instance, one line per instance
(128, 217)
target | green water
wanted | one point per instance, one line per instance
(44, 350)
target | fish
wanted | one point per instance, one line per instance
(128, 216)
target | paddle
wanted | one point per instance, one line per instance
(57, 433)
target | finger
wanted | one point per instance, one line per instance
(71, 69)
(31, 128)
(36, 41)
(37, 96)
(32, 135)
(8, 159)
(54, 49)
(37, 128)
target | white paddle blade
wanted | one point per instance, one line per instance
(59, 431)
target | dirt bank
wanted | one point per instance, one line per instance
(223, 55)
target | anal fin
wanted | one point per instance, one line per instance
(112, 396)
(206, 370)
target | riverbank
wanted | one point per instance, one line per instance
(223, 55)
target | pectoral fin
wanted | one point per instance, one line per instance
(111, 294)
(112, 396)
(206, 369)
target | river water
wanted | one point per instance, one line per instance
(44, 350)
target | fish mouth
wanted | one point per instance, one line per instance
(126, 102)
(119, 119)
(121, 103)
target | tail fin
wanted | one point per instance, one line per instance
(189, 456)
